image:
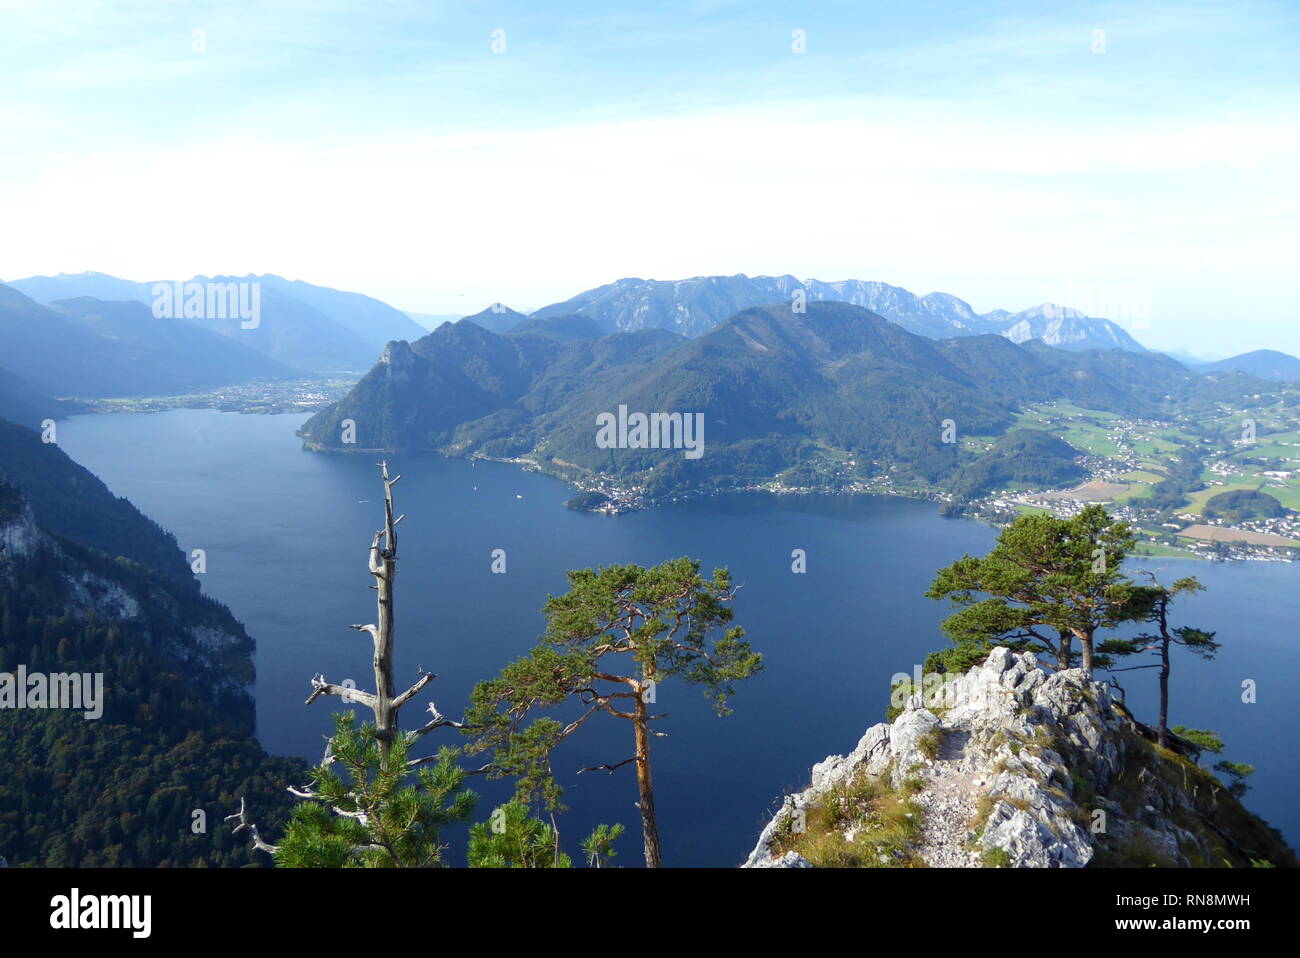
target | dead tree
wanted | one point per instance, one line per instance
(383, 702)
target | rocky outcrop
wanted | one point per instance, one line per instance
(1012, 766)
(195, 634)
(19, 535)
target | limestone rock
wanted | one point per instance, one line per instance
(1034, 770)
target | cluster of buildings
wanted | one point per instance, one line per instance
(260, 397)
(1261, 539)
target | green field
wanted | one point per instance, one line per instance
(1137, 490)
(1147, 447)
(1288, 497)
(1092, 431)
(1271, 451)
(1159, 550)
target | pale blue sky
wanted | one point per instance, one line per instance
(1142, 158)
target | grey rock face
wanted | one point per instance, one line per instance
(1004, 727)
(85, 592)
(788, 860)
(19, 537)
(694, 306)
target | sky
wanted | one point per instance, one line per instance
(1139, 161)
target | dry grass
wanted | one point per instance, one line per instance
(886, 826)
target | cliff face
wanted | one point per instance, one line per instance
(1011, 766)
(171, 731)
(197, 636)
(19, 536)
(72, 503)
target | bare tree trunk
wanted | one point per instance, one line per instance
(649, 825)
(385, 702)
(555, 835)
(383, 566)
(1085, 641)
(1162, 734)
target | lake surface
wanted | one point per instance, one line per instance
(286, 534)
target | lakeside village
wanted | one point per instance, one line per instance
(255, 398)
(1120, 481)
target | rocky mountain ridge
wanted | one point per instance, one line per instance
(1011, 766)
(696, 305)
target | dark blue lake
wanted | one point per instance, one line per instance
(286, 534)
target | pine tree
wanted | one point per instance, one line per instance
(1152, 603)
(599, 845)
(1047, 582)
(610, 641)
(378, 817)
(514, 839)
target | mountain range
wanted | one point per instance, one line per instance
(96, 335)
(304, 328)
(88, 348)
(780, 390)
(694, 306)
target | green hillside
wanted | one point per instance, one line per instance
(778, 390)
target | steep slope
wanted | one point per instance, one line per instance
(90, 585)
(71, 502)
(164, 676)
(1266, 364)
(770, 379)
(464, 389)
(936, 315)
(1011, 766)
(22, 403)
(777, 388)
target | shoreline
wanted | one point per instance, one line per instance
(633, 501)
(621, 498)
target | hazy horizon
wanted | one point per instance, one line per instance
(420, 315)
(1134, 153)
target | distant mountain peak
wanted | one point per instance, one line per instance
(695, 305)
(1269, 364)
(1062, 327)
(1051, 311)
(497, 318)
